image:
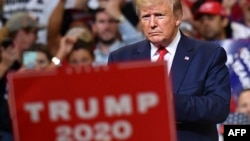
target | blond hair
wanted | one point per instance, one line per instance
(175, 4)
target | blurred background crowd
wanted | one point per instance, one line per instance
(40, 34)
(65, 27)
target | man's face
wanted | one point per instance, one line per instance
(159, 23)
(244, 103)
(212, 27)
(105, 27)
(26, 38)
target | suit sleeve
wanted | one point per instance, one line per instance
(212, 105)
(110, 60)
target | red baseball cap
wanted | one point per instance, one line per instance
(212, 8)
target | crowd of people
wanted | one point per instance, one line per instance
(91, 31)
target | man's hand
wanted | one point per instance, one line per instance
(8, 56)
(112, 7)
(66, 45)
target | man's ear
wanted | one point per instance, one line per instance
(178, 22)
(225, 21)
(178, 15)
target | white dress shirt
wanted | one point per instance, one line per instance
(171, 48)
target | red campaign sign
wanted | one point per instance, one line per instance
(127, 101)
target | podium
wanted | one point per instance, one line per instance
(123, 102)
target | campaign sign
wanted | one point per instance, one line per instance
(238, 62)
(128, 101)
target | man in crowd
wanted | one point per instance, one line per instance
(214, 24)
(19, 33)
(112, 30)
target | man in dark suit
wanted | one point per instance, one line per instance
(200, 78)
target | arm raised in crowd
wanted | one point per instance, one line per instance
(129, 33)
(65, 47)
(54, 27)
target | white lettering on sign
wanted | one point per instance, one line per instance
(82, 132)
(34, 109)
(240, 71)
(102, 131)
(119, 107)
(59, 110)
(64, 133)
(86, 109)
(81, 108)
(146, 101)
(236, 132)
(119, 130)
(245, 56)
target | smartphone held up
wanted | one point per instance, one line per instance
(29, 59)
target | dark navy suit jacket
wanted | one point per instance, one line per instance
(201, 85)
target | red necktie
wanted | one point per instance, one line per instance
(162, 51)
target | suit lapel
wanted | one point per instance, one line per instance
(182, 59)
(142, 52)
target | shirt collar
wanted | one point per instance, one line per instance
(171, 48)
(117, 44)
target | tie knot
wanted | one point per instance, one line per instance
(162, 51)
